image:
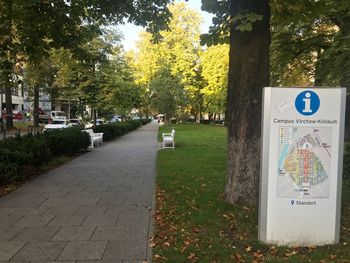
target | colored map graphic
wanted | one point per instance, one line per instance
(304, 162)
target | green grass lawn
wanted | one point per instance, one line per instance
(195, 224)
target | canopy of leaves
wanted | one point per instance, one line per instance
(214, 62)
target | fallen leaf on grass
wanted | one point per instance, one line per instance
(196, 230)
(152, 244)
(166, 244)
(289, 254)
(258, 254)
(192, 257)
(248, 248)
(226, 216)
(159, 257)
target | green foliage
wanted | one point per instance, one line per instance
(111, 131)
(310, 42)
(245, 19)
(66, 141)
(174, 58)
(20, 155)
(99, 77)
(214, 62)
(29, 29)
(219, 30)
(7, 171)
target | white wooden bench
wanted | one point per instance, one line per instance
(169, 139)
(95, 138)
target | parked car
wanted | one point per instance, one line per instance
(57, 124)
(77, 123)
(98, 122)
(116, 118)
(16, 115)
(51, 116)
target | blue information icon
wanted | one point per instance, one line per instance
(307, 103)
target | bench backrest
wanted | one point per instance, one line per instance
(89, 131)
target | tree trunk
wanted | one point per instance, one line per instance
(344, 27)
(318, 77)
(36, 106)
(6, 54)
(9, 111)
(94, 116)
(248, 74)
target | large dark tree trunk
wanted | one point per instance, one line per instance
(9, 111)
(248, 74)
(344, 27)
(6, 58)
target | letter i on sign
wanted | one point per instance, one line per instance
(307, 103)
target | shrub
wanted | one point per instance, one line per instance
(67, 141)
(8, 171)
(204, 121)
(110, 131)
(145, 121)
(114, 130)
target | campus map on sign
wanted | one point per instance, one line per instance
(304, 158)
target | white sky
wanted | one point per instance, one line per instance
(131, 32)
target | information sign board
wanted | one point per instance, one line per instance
(301, 165)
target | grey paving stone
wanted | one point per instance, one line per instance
(125, 208)
(57, 201)
(91, 210)
(110, 201)
(8, 233)
(74, 220)
(9, 249)
(96, 188)
(36, 234)
(85, 201)
(6, 221)
(6, 211)
(100, 220)
(111, 233)
(83, 250)
(74, 233)
(79, 194)
(32, 221)
(109, 195)
(62, 210)
(126, 250)
(31, 211)
(40, 251)
(118, 188)
(134, 219)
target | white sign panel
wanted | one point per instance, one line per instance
(301, 165)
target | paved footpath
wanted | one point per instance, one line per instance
(96, 208)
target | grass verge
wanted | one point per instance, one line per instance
(195, 224)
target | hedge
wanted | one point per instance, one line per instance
(17, 155)
(114, 130)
